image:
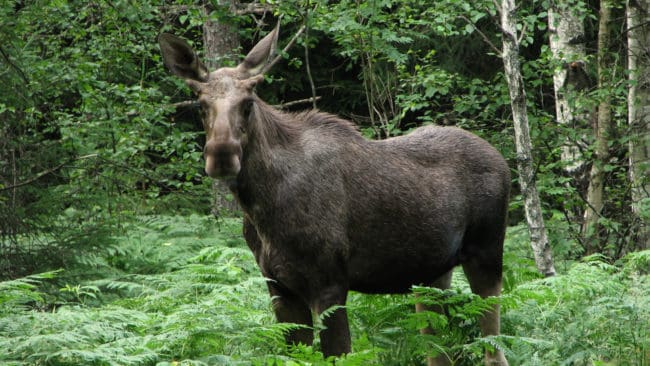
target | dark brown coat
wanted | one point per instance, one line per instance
(328, 211)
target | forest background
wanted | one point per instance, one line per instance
(116, 249)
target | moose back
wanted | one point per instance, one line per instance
(327, 211)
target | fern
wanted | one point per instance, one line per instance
(201, 301)
(15, 295)
(594, 312)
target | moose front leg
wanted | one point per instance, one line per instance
(290, 308)
(443, 283)
(335, 338)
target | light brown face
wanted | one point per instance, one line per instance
(225, 96)
(225, 102)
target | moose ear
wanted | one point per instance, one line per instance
(260, 56)
(180, 58)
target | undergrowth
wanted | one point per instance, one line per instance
(187, 291)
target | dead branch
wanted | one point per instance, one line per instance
(296, 102)
(253, 8)
(237, 9)
(193, 103)
(186, 103)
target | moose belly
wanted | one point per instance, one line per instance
(397, 272)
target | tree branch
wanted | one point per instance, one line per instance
(295, 102)
(46, 172)
(20, 72)
(194, 103)
(286, 49)
(186, 103)
(485, 38)
(253, 8)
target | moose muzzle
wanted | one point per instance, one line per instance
(222, 158)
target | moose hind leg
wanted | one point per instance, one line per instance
(290, 308)
(443, 283)
(484, 277)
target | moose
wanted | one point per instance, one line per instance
(327, 211)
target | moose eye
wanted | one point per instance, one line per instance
(203, 109)
(246, 108)
(203, 113)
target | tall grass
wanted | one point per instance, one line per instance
(186, 291)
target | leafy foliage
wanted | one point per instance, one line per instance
(208, 305)
(594, 313)
(93, 146)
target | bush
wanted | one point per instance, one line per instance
(187, 291)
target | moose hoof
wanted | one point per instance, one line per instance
(496, 359)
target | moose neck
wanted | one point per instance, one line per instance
(271, 137)
(270, 129)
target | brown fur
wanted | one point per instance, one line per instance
(327, 211)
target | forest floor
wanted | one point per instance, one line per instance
(185, 290)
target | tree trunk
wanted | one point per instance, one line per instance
(221, 45)
(510, 55)
(638, 40)
(566, 33)
(595, 202)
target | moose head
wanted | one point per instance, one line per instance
(225, 96)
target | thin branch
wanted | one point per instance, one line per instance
(311, 79)
(194, 103)
(522, 34)
(186, 103)
(44, 173)
(295, 102)
(286, 49)
(20, 72)
(253, 8)
(237, 9)
(485, 38)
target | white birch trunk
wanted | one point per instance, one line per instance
(510, 55)
(595, 191)
(566, 31)
(566, 34)
(638, 24)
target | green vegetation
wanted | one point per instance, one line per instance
(108, 255)
(185, 290)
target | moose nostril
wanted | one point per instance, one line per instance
(221, 158)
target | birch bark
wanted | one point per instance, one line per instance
(595, 199)
(566, 32)
(510, 55)
(638, 40)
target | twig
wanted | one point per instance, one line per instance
(295, 102)
(522, 34)
(44, 173)
(253, 8)
(485, 38)
(186, 103)
(277, 58)
(236, 9)
(193, 103)
(309, 76)
(20, 72)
